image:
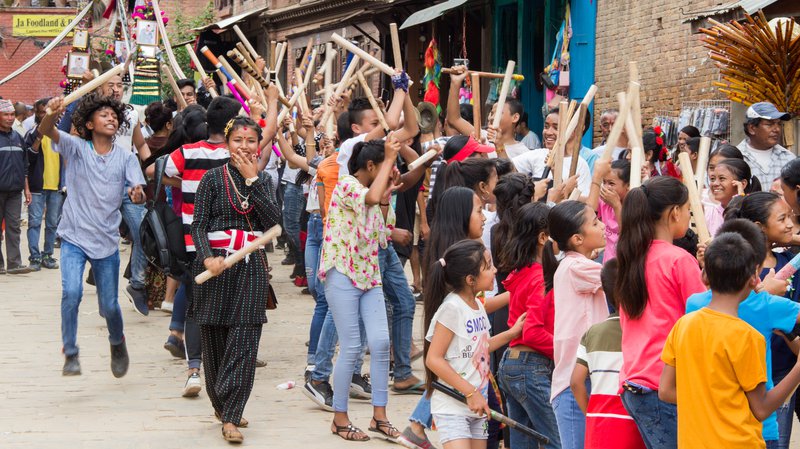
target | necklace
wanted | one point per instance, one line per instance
(243, 200)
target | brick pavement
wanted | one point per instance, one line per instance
(41, 409)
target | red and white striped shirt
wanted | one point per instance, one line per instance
(190, 163)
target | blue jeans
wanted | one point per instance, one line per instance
(313, 246)
(526, 381)
(571, 420)
(785, 419)
(657, 420)
(294, 202)
(347, 304)
(47, 204)
(326, 348)
(106, 278)
(133, 214)
(178, 321)
(396, 289)
(422, 412)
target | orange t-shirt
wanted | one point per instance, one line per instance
(328, 175)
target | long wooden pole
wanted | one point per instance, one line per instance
(231, 260)
(352, 48)
(398, 57)
(702, 162)
(175, 90)
(342, 85)
(372, 101)
(490, 75)
(199, 67)
(92, 85)
(694, 198)
(165, 39)
(477, 119)
(245, 42)
(501, 103)
(575, 146)
(619, 125)
(558, 156)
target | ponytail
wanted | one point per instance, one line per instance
(364, 152)
(462, 259)
(642, 208)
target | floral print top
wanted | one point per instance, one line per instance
(353, 232)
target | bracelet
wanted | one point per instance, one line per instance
(597, 184)
(384, 204)
(473, 392)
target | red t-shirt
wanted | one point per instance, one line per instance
(526, 287)
(671, 275)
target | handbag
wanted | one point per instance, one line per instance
(272, 299)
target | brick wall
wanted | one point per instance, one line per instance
(674, 66)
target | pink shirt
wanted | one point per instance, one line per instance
(579, 303)
(606, 214)
(714, 213)
(671, 275)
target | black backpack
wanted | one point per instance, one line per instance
(161, 234)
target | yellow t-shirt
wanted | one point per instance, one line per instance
(51, 167)
(717, 358)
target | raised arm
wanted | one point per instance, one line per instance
(457, 77)
(48, 125)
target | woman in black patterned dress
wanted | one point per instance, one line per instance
(233, 205)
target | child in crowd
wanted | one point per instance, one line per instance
(762, 310)
(610, 184)
(458, 331)
(715, 366)
(526, 369)
(579, 303)
(97, 171)
(655, 278)
(730, 178)
(608, 425)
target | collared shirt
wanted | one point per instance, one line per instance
(13, 161)
(779, 157)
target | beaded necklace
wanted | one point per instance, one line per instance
(245, 204)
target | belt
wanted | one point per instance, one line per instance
(231, 240)
(515, 352)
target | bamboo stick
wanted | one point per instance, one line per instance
(199, 67)
(694, 198)
(477, 119)
(490, 75)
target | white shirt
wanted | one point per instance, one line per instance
(614, 155)
(532, 163)
(516, 149)
(125, 135)
(345, 151)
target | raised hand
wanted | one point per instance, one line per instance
(245, 163)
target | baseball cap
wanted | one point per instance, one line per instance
(472, 146)
(6, 106)
(767, 111)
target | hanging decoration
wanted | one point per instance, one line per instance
(147, 80)
(78, 60)
(433, 74)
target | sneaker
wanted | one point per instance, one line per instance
(410, 440)
(49, 262)
(321, 394)
(36, 265)
(308, 372)
(137, 297)
(289, 260)
(166, 307)
(175, 347)
(22, 269)
(193, 386)
(72, 366)
(119, 359)
(360, 387)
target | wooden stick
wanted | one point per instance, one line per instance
(398, 57)
(238, 58)
(91, 85)
(329, 57)
(199, 67)
(702, 162)
(245, 55)
(273, 47)
(490, 75)
(246, 42)
(430, 154)
(279, 59)
(637, 155)
(175, 90)
(576, 193)
(165, 39)
(575, 147)
(302, 101)
(694, 198)
(239, 82)
(575, 120)
(309, 69)
(352, 48)
(619, 125)
(292, 102)
(372, 101)
(501, 103)
(558, 156)
(231, 260)
(342, 84)
(477, 119)
(304, 60)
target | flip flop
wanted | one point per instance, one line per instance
(417, 388)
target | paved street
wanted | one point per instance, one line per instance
(41, 409)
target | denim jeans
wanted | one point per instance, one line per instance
(313, 246)
(293, 204)
(178, 321)
(46, 203)
(571, 420)
(396, 289)
(785, 419)
(326, 348)
(526, 381)
(133, 214)
(422, 412)
(106, 278)
(347, 304)
(656, 420)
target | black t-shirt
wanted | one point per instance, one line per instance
(405, 213)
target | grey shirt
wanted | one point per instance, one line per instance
(95, 189)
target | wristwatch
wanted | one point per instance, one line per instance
(250, 181)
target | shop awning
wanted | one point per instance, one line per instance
(230, 21)
(428, 14)
(748, 6)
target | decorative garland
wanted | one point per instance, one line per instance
(433, 73)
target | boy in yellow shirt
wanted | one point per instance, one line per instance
(715, 367)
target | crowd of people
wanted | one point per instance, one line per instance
(599, 321)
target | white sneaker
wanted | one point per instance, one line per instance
(166, 307)
(193, 386)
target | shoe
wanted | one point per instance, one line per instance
(360, 387)
(57, 243)
(36, 265)
(119, 359)
(260, 363)
(49, 262)
(72, 366)
(410, 440)
(305, 291)
(2, 270)
(90, 277)
(321, 394)
(193, 386)
(137, 297)
(300, 281)
(166, 307)
(269, 247)
(289, 260)
(175, 347)
(281, 244)
(308, 372)
(22, 269)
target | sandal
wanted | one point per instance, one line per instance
(392, 434)
(242, 423)
(417, 387)
(232, 436)
(351, 432)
